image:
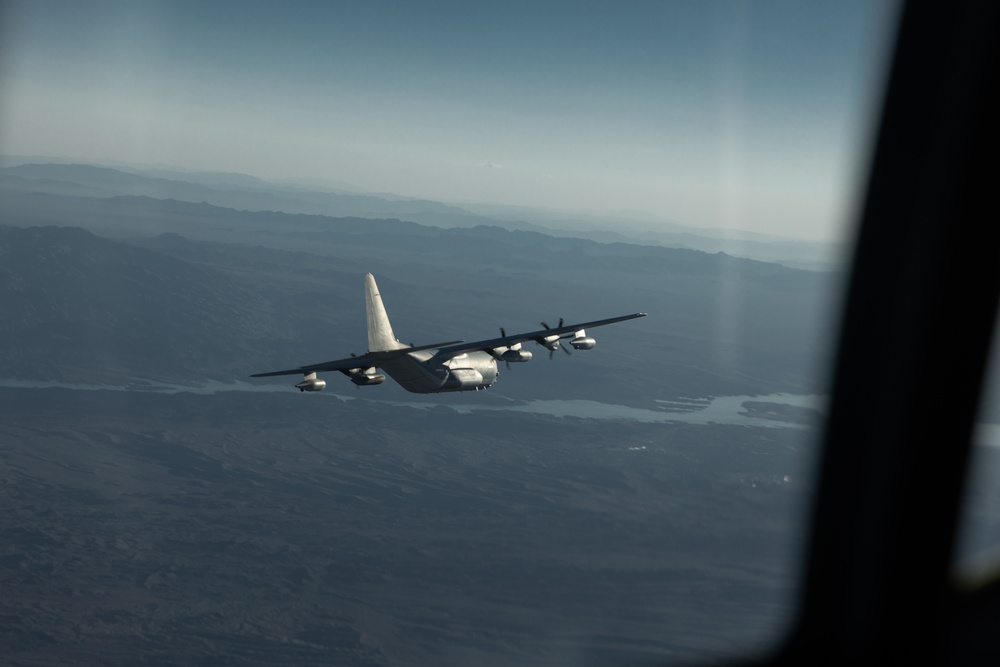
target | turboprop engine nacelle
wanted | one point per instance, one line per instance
(583, 341)
(551, 343)
(367, 377)
(512, 353)
(516, 355)
(310, 383)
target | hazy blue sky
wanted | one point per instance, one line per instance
(723, 114)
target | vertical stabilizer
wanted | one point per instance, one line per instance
(380, 336)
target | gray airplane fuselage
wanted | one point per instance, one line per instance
(424, 373)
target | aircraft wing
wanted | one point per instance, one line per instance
(507, 341)
(369, 360)
(364, 361)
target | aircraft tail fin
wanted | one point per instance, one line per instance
(380, 338)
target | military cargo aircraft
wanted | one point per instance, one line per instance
(438, 367)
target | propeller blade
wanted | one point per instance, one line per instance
(560, 322)
(551, 352)
(566, 350)
(546, 325)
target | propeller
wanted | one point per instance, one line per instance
(561, 347)
(503, 334)
(552, 350)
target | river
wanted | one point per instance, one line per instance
(728, 410)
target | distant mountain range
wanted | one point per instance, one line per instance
(191, 291)
(80, 306)
(243, 192)
(232, 191)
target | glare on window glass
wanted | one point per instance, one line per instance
(978, 552)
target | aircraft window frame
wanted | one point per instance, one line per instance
(977, 553)
(914, 341)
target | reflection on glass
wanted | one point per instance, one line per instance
(978, 553)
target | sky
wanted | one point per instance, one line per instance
(744, 115)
